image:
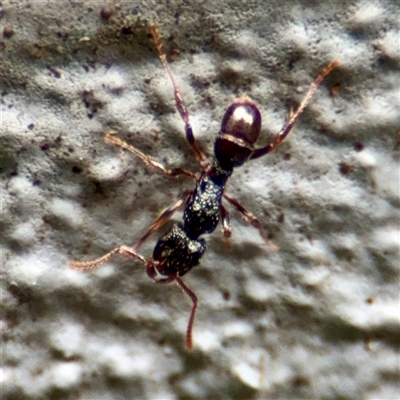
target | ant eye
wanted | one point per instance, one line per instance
(242, 120)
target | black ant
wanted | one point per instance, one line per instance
(181, 248)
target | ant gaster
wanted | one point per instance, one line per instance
(181, 248)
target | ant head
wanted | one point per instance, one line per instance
(239, 131)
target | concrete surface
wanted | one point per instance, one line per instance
(313, 315)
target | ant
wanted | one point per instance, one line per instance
(181, 248)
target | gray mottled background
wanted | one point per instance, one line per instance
(313, 315)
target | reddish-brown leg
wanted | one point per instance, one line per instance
(111, 138)
(164, 217)
(131, 252)
(247, 216)
(193, 297)
(124, 250)
(180, 105)
(152, 273)
(226, 229)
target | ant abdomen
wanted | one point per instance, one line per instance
(176, 253)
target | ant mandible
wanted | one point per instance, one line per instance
(181, 248)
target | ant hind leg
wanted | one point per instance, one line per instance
(124, 250)
(193, 297)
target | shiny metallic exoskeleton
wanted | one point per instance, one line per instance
(181, 248)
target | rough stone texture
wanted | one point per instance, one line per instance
(313, 315)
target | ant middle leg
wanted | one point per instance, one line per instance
(180, 105)
(293, 116)
(164, 217)
(225, 227)
(111, 138)
(248, 217)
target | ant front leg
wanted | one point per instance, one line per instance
(295, 115)
(180, 105)
(110, 138)
(164, 217)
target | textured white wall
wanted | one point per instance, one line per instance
(316, 319)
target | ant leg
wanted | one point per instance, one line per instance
(294, 116)
(248, 216)
(189, 341)
(110, 138)
(124, 250)
(180, 105)
(164, 217)
(226, 229)
(131, 252)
